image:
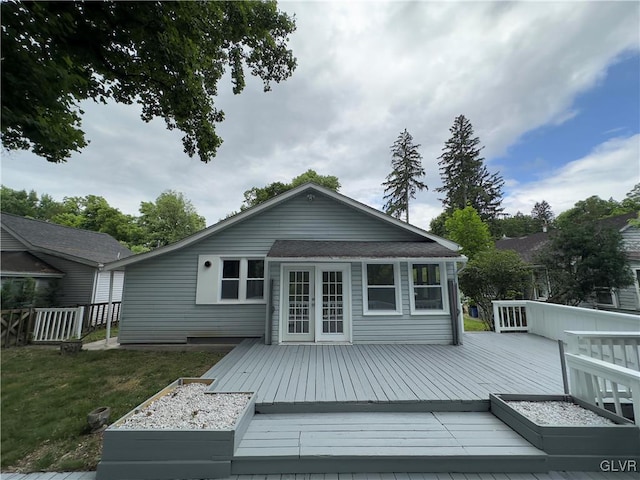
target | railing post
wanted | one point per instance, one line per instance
(79, 321)
(496, 317)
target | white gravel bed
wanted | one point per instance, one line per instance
(188, 407)
(559, 413)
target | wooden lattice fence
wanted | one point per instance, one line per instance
(16, 327)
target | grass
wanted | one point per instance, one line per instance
(46, 398)
(100, 335)
(473, 324)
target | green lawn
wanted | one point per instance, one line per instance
(46, 397)
(100, 335)
(473, 324)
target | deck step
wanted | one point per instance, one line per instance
(383, 442)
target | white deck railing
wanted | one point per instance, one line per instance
(58, 324)
(510, 316)
(596, 381)
(551, 321)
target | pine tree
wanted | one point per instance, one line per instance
(403, 181)
(542, 214)
(465, 178)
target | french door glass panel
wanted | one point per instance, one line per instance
(332, 303)
(300, 303)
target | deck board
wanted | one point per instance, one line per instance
(387, 434)
(486, 363)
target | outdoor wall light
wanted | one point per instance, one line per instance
(207, 264)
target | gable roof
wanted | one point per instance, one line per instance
(82, 246)
(249, 213)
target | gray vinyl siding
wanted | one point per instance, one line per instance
(405, 328)
(76, 287)
(159, 295)
(628, 296)
(10, 243)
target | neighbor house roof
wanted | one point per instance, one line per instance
(83, 246)
(228, 222)
(24, 264)
(528, 247)
(346, 249)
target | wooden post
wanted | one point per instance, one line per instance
(110, 307)
(563, 365)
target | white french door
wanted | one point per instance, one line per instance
(316, 303)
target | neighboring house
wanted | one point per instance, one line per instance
(612, 299)
(309, 265)
(73, 258)
(527, 248)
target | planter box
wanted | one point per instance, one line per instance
(169, 454)
(617, 440)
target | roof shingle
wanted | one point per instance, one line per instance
(86, 245)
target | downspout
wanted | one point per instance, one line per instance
(458, 328)
(269, 296)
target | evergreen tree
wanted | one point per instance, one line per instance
(542, 213)
(465, 178)
(403, 181)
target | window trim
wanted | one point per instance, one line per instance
(443, 290)
(242, 287)
(397, 285)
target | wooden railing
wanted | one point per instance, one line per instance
(58, 324)
(51, 325)
(604, 367)
(551, 321)
(97, 316)
(510, 316)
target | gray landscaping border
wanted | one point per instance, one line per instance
(163, 454)
(620, 439)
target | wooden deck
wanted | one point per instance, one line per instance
(365, 476)
(381, 442)
(329, 374)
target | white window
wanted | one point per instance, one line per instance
(428, 288)
(606, 297)
(381, 288)
(229, 280)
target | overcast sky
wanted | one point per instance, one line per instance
(552, 90)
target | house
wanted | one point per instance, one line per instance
(625, 299)
(310, 265)
(68, 259)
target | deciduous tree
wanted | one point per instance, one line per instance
(166, 56)
(582, 257)
(257, 195)
(494, 275)
(171, 218)
(465, 178)
(404, 180)
(466, 228)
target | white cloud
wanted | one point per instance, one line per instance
(610, 171)
(367, 70)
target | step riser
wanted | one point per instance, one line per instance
(511, 464)
(354, 407)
